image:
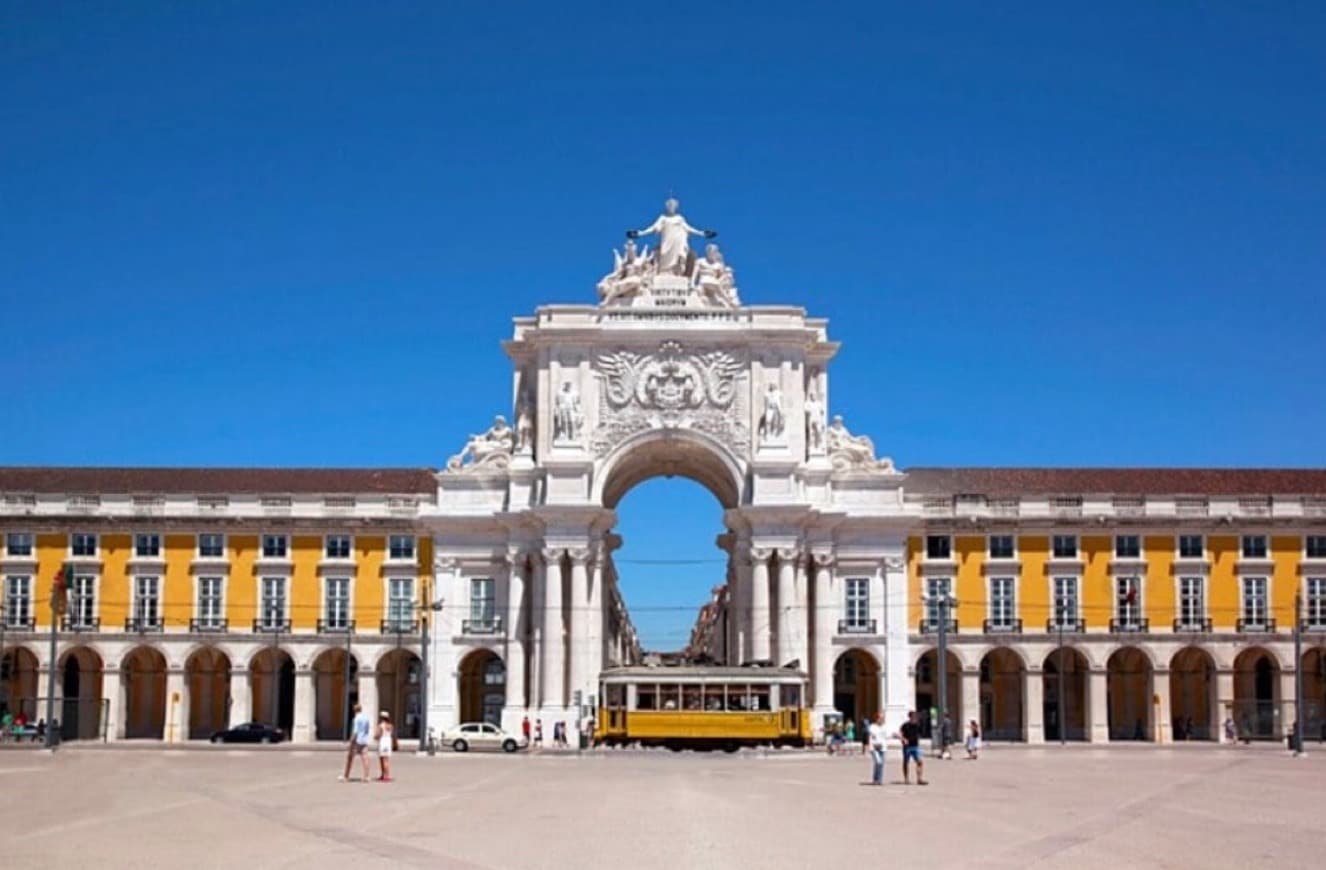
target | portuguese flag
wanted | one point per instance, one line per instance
(64, 578)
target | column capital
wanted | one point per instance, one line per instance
(581, 555)
(790, 554)
(515, 556)
(552, 555)
(760, 554)
(823, 558)
(448, 564)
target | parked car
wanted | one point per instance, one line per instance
(481, 735)
(250, 732)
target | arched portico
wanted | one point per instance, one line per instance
(1256, 710)
(1314, 694)
(19, 687)
(670, 453)
(927, 690)
(482, 687)
(856, 686)
(332, 701)
(82, 709)
(1128, 687)
(1070, 666)
(398, 690)
(272, 679)
(143, 684)
(1192, 695)
(1003, 676)
(207, 676)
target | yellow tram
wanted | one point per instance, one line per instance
(702, 707)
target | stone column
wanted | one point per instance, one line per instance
(538, 581)
(1098, 705)
(302, 731)
(241, 697)
(825, 617)
(1287, 709)
(971, 703)
(901, 692)
(1224, 705)
(595, 620)
(742, 616)
(1162, 713)
(112, 691)
(552, 646)
(761, 626)
(578, 638)
(517, 565)
(788, 612)
(1033, 714)
(177, 712)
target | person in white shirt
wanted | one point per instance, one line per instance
(358, 745)
(877, 738)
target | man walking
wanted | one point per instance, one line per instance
(875, 737)
(910, 735)
(358, 746)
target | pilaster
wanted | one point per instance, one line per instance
(241, 697)
(1033, 689)
(302, 729)
(1098, 729)
(821, 566)
(761, 626)
(552, 650)
(177, 707)
(517, 566)
(1162, 712)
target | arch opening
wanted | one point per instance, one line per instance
(1256, 708)
(82, 708)
(1128, 692)
(1192, 694)
(143, 684)
(927, 690)
(272, 678)
(19, 686)
(335, 693)
(398, 690)
(482, 687)
(1070, 666)
(1314, 694)
(1003, 678)
(672, 453)
(856, 686)
(207, 674)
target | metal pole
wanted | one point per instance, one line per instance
(943, 670)
(276, 680)
(423, 678)
(345, 707)
(50, 673)
(1298, 673)
(1059, 673)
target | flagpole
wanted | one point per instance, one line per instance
(58, 589)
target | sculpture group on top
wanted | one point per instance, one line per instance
(671, 275)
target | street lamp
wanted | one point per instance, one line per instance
(946, 601)
(431, 607)
(1060, 610)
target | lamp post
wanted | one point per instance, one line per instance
(1059, 676)
(430, 608)
(945, 603)
(1298, 673)
(59, 601)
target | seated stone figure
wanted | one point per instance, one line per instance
(852, 451)
(491, 447)
(714, 279)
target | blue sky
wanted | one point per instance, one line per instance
(1050, 234)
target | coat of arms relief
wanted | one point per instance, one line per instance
(673, 388)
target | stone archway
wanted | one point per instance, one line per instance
(333, 706)
(1128, 675)
(1192, 695)
(272, 678)
(856, 686)
(1314, 694)
(82, 710)
(1070, 665)
(927, 690)
(207, 675)
(1257, 695)
(19, 687)
(1003, 680)
(482, 687)
(143, 684)
(398, 690)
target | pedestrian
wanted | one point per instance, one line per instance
(358, 745)
(945, 737)
(910, 735)
(973, 740)
(875, 735)
(538, 733)
(524, 729)
(865, 734)
(849, 735)
(1231, 732)
(385, 742)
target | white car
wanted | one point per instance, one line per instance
(481, 735)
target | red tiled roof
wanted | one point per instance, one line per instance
(180, 481)
(1117, 481)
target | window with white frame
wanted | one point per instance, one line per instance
(1128, 602)
(1002, 547)
(275, 546)
(1064, 546)
(1254, 547)
(1192, 603)
(1003, 604)
(210, 613)
(211, 546)
(18, 601)
(82, 544)
(1127, 546)
(1191, 547)
(338, 547)
(400, 547)
(1314, 612)
(82, 612)
(936, 596)
(483, 601)
(1254, 602)
(18, 544)
(147, 600)
(147, 546)
(1315, 547)
(1065, 602)
(400, 603)
(336, 604)
(856, 606)
(938, 547)
(271, 606)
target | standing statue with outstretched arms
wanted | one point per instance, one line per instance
(674, 251)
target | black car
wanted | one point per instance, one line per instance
(250, 732)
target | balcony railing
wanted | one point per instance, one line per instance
(204, 626)
(20, 623)
(1202, 626)
(1313, 625)
(1130, 625)
(1002, 627)
(857, 626)
(488, 625)
(1265, 624)
(399, 625)
(931, 626)
(336, 626)
(1070, 626)
(73, 623)
(142, 624)
(270, 625)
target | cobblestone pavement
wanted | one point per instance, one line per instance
(254, 808)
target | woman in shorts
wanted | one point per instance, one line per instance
(384, 746)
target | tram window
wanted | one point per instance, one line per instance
(789, 696)
(736, 697)
(713, 697)
(646, 697)
(671, 696)
(691, 695)
(616, 695)
(759, 698)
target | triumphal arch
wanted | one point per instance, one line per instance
(669, 373)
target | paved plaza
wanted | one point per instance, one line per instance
(1016, 807)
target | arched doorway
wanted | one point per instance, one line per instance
(1257, 695)
(1128, 690)
(332, 719)
(83, 710)
(1192, 694)
(927, 691)
(1071, 666)
(272, 676)
(482, 687)
(1314, 694)
(208, 674)
(1003, 677)
(398, 690)
(143, 682)
(19, 688)
(856, 686)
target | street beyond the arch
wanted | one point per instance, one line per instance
(1184, 806)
